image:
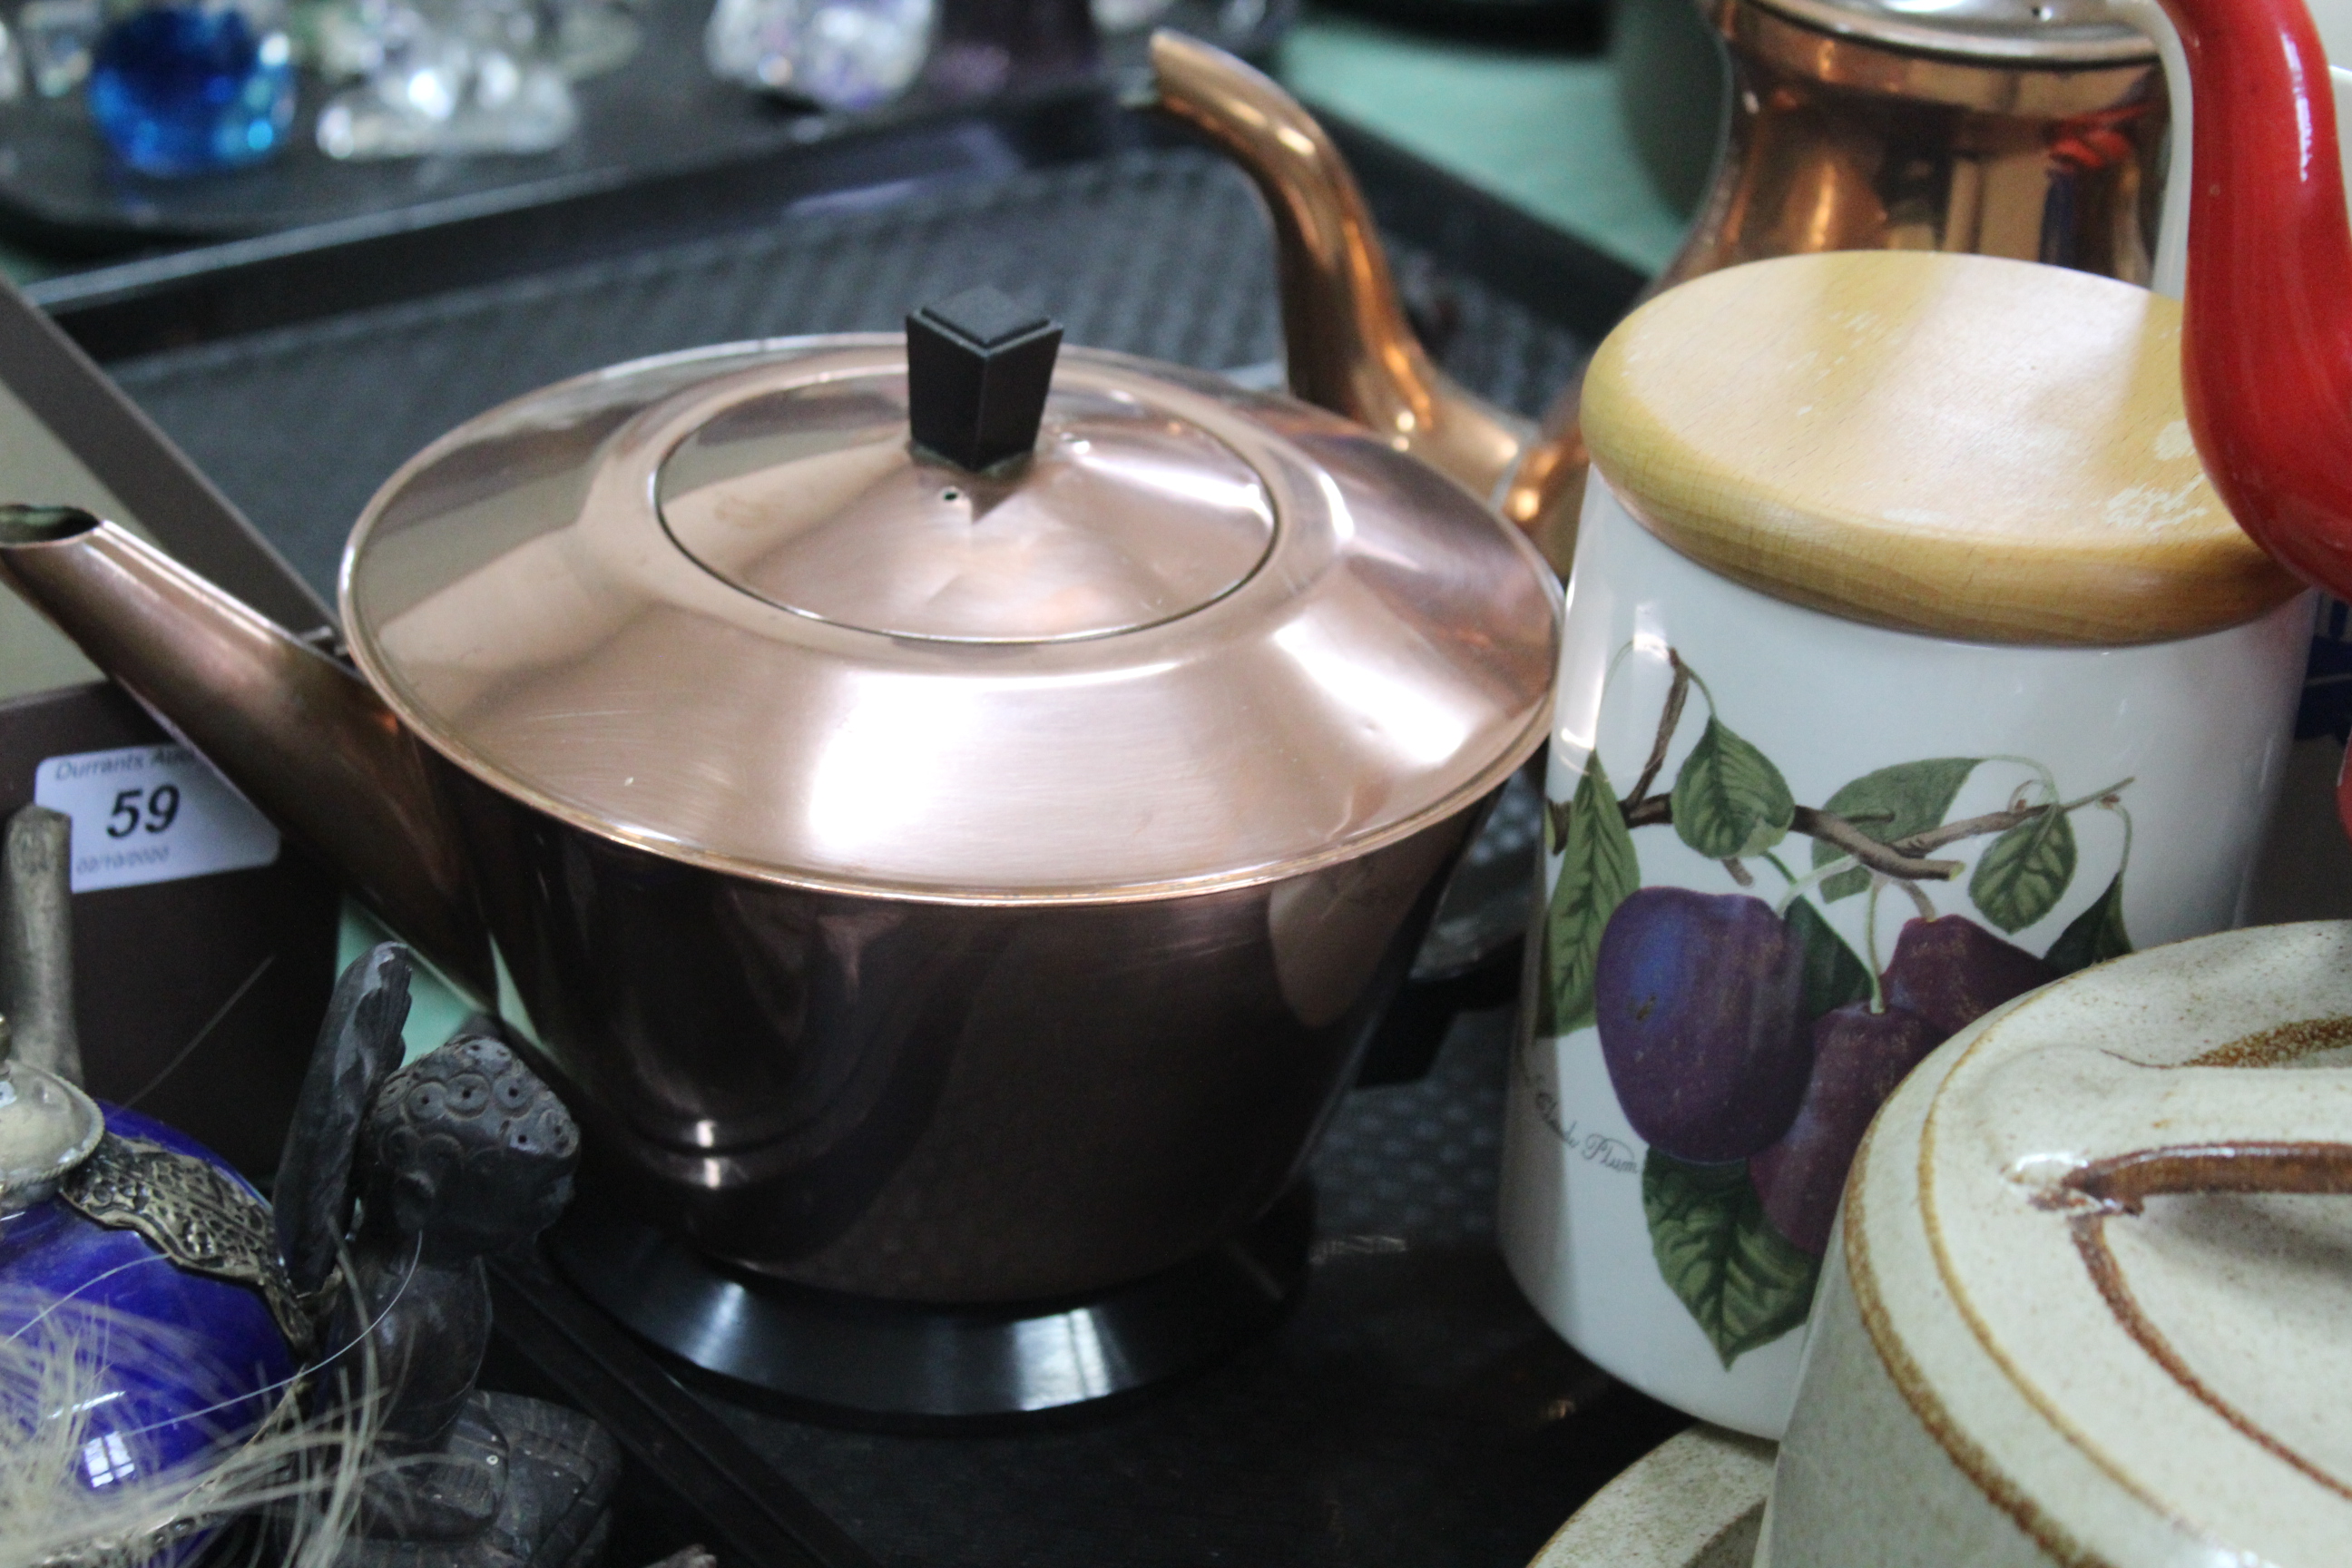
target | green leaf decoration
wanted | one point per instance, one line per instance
(1891, 803)
(1744, 1283)
(2023, 873)
(1730, 800)
(1598, 868)
(2094, 936)
(1833, 975)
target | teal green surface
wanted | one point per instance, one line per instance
(23, 267)
(1539, 129)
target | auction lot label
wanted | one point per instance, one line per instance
(152, 814)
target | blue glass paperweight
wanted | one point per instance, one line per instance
(183, 90)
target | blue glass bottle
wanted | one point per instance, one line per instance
(186, 89)
(178, 1362)
(230, 1365)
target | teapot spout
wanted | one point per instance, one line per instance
(1349, 348)
(2266, 334)
(305, 740)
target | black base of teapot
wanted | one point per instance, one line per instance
(895, 1364)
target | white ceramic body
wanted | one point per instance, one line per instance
(1973, 1394)
(2199, 727)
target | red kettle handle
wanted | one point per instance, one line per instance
(2267, 341)
(2266, 348)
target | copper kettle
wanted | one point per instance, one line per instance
(1991, 126)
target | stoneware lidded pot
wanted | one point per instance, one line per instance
(2088, 1302)
(1909, 663)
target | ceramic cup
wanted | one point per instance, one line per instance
(2088, 1299)
(1678, 1132)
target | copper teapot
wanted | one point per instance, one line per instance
(954, 777)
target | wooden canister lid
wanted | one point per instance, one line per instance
(1958, 445)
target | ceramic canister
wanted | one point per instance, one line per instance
(2088, 1298)
(1909, 663)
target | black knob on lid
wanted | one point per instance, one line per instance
(978, 367)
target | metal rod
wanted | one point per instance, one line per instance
(37, 941)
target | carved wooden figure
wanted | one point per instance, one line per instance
(462, 1153)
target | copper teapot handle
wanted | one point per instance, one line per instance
(1349, 346)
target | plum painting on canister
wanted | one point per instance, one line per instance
(1862, 732)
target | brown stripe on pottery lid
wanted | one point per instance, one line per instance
(1956, 445)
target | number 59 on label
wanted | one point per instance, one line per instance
(152, 814)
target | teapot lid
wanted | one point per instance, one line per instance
(1068, 629)
(812, 497)
(1965, 446)
(2057, 33)
(2092, 1234)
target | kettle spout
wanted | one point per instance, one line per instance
(2266, 330)
(307, 741)
(1349, 346)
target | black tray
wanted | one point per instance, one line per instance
(660, 116)
(1412, 1410)
(301, 369)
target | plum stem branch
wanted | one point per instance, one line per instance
(1870, 941)
(2112, 804)
(1644, 813)
(1800, 886)
(1886, 858)
(1813, 823)
(1670, 719)
(1904, 859)
(1995, 822)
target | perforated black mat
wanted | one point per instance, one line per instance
(1163, 253)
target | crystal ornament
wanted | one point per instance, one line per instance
(343, 40)
(347, 40)
(1128, 16)
(185, 90)
(593, 36)
(56, 36)
(838, 54)
(12, 65)
(456, 76)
